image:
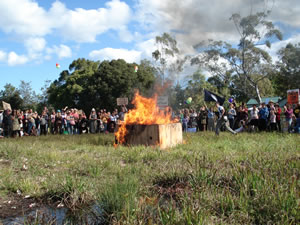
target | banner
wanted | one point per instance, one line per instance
(293, 96)
(162, 101)
(6, 105)
(122, 101)
(212, 97)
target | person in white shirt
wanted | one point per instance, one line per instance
(273, 120)
(253, 117)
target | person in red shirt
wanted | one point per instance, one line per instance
(277, 113)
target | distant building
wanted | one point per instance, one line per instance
(278, 100)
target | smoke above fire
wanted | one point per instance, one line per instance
(193, 21)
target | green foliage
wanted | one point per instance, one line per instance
(90, 84)
(288, 76)
(195, 89)
(11, 95)
(244, 179)
(248, 64)
(30, 99)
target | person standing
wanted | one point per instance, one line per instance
(231, 115)
(122, 113)
(93, 121)
(210, 119)
(263, 117)
(1, 118)
(288, 111)
(222, 120)
(43, 123)
(244, 113)
(272, 120)
(185, 121)
(203, 119)
(7, 123)
(15, 124)
(278, 113)
(52, 122)
(58, 123)
(30, 121)
(253, 118)
(82, 124)
(76, 118)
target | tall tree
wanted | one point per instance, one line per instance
(169, 62)
(195, 89)
(72, 87)
(90, 84)
(29, 96)
(248, 63)
(288, 75)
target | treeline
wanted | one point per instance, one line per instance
(243, 71)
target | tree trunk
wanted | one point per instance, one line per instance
(258, 97)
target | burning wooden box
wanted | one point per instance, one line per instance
(163, 135)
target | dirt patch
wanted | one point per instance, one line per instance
(172, 187)
(16, 205)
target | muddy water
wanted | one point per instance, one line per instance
(58, 216)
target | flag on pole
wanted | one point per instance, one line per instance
(57, 66)
(212, 97)
(136, 68)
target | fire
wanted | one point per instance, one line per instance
(146, 112)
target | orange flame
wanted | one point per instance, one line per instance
(146, 112)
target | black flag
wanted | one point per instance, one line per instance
(211, 97)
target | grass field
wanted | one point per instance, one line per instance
(230, 179)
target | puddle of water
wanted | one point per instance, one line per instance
(58, 216)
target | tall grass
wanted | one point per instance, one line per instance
(243, 179)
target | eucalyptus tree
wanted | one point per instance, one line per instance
(248, 62)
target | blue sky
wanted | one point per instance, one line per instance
(37, 34)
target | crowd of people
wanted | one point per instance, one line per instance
(17, 123)
(265, 117)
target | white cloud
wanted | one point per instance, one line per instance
(62, 51)
(35, 44)
(35, 47)
(275, 47)
(193, 21)
(24, 17)
(125, 35)
(288, 12)
(83, 25)
(27, 18)
(15, 59)
(129, 56)
(3, 56)
(146, 47)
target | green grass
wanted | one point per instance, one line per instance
(243, 179)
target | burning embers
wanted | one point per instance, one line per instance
(146, 124)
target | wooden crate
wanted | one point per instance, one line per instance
(163, 135)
